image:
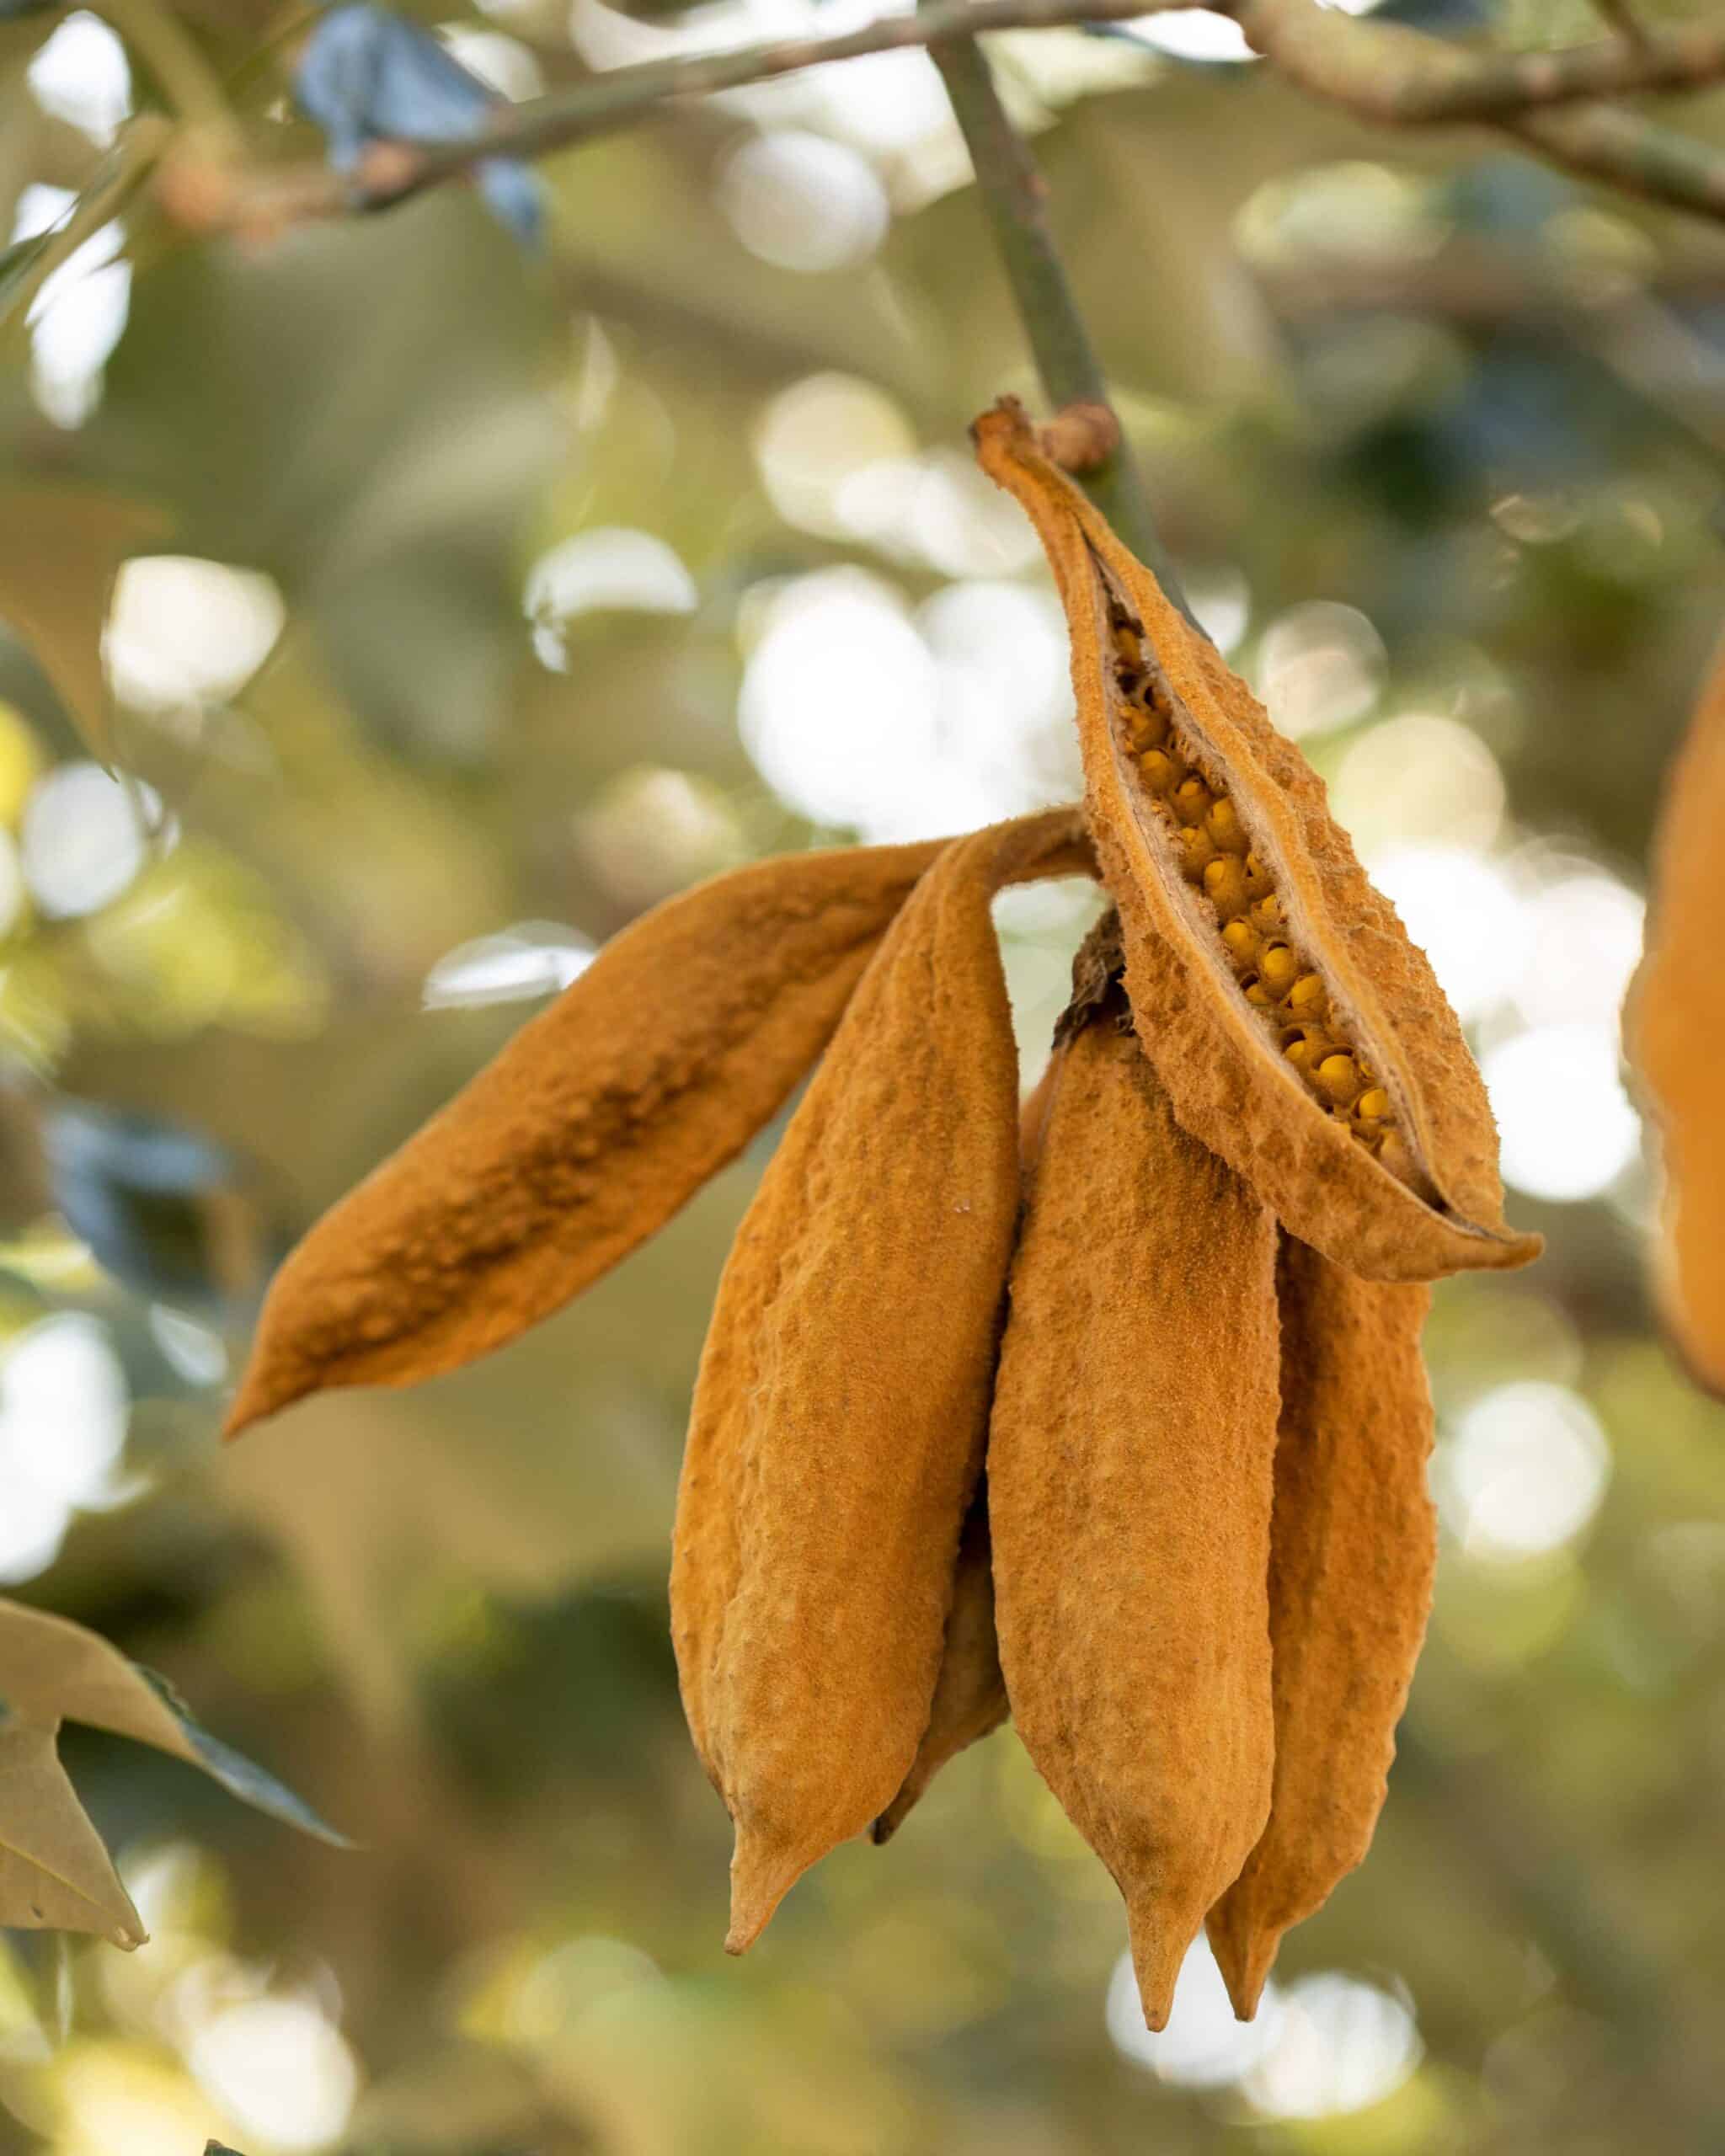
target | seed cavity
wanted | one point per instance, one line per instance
(1278, 979)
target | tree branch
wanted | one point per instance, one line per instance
(1382, 72)
(1399, 77)
(1015, 196)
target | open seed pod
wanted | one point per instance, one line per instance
(1298, 1033)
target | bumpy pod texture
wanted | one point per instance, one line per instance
(839, 1416)
(1352, 1546)
(970, 1693)
(1298, 1033)
(597, 1122)
(1675, 1024)
(1129, 1460)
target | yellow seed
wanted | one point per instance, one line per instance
(1225, 884)
(1159, 771)
(1241, 942)
(1258, 880)
(1146, 727)
(1266, 915)
(1191, 800)
(1308, 997)
(1308, 1048)
(1196, 852)
(1279, 968)
(1225, 828)
(1256, 993)
(1338, 1078)
(1127, 644)
(1373, 1105)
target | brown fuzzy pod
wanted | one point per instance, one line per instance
(839, 1416)
(1675, 1024)
(970, 1693)
(1129, 1460)
(1352, 1549)
(1185, 777)
(598, 1121)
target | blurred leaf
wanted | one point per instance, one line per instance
(240, 1776)
(52, 1670)
(59, 553)
(160, 1205)
(16, 262)
(367, 77)
(54, 1872)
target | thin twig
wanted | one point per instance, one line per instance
(1636, 156)
(1015, 196)
(1404, 78)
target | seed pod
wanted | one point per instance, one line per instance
(1353, 1546)
(1674, 1024)
(591, 1128)
(1218, 1059)
(970, 1693)
(839, 1415)
(1130, 1463)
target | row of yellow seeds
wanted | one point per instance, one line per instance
(1215, 857)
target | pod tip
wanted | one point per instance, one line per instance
(1159, 1944)
(1245, 1952)
(763, 1871)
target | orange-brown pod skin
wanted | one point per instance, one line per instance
(1130, 1454)
(1674, 1031)
(601, 1118)
(839, 1416)
(1352, 1549)
(970, 1693)
(1218, 1059)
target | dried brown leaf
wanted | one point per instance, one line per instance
(1674, 1030)
(1220, 1058)
(598, 1122)
(838, 1420)
(55, 1873)
(1353, 1548)
(1129, 1462)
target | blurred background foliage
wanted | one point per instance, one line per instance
(508, 594)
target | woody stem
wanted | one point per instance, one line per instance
(1016, 195)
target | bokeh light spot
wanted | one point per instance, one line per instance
(1523, 1472)
(802, 202)
(84, 838)
(1565, 1123)
(1465, 914)
(81, 75)
(1319, 666)
(1420, 779)
(1344, 2045)
(183, 631)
